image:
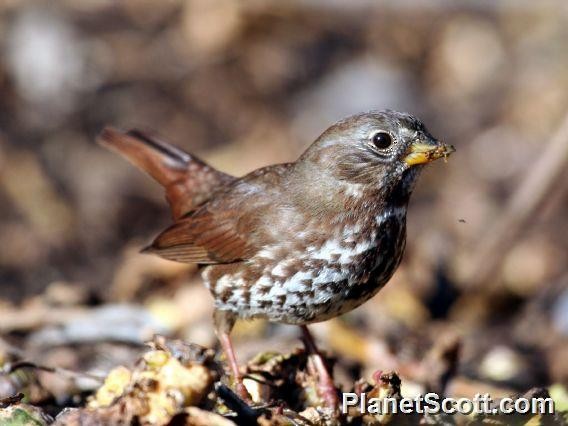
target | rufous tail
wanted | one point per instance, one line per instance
(187, 180)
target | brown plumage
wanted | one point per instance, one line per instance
(299, 242)
(187, 180)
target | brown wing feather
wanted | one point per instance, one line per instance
(227, 229)
(207, 239)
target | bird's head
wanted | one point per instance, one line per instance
(380, 149)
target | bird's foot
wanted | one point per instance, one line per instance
(377, 376)
(325, 386)
(242, 392)
(328, 394)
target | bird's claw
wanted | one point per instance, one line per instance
(242, 392)
(329, 396)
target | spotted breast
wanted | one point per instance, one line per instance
(320, 279)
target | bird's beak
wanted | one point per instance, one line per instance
(422, 153)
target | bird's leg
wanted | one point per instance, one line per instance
(224, 322)
(326, 387)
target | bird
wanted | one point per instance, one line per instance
(295, 243)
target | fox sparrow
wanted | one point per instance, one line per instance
(299, 242)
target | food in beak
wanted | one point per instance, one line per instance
(422, 153)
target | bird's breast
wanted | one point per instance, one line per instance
(315, 278)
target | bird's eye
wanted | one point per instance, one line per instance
(382, 140)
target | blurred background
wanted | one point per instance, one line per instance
(480, 302)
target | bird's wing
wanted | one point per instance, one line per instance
(230, 227)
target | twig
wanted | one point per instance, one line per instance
(11, 367)
(245, 414)
(539, 183)
(14, 399)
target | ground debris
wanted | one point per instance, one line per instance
(156, 389)
(23, 415)
(178, 383)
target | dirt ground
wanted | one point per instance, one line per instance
(93, 332)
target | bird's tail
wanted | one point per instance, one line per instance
(187, 180)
